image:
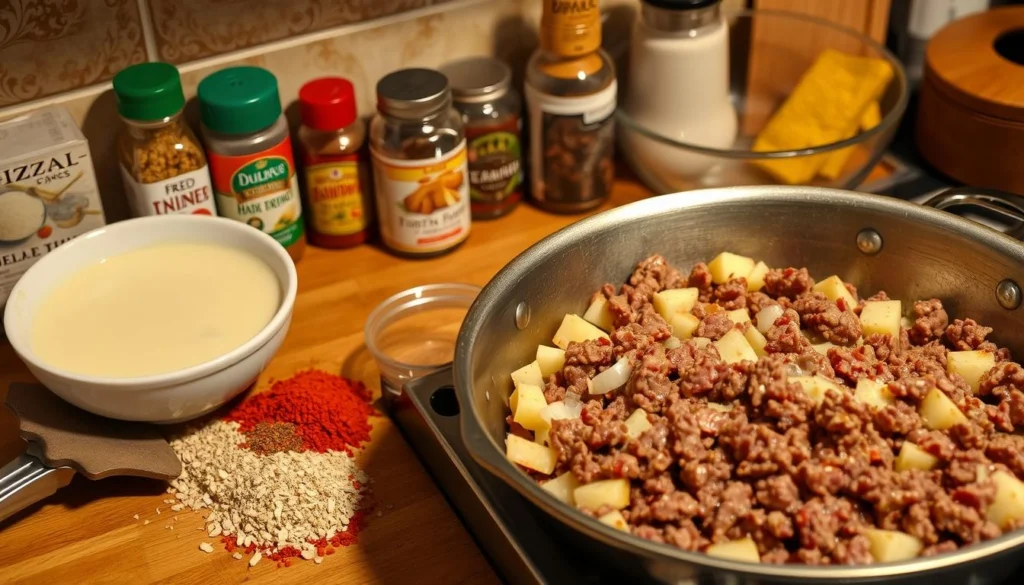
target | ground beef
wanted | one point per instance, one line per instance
(739, 450)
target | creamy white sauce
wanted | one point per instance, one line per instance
(155, 310)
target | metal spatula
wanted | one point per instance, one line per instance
(63, 440)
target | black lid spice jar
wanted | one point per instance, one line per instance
(491, 110)
(419, 165)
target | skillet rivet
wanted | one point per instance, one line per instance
(869, 241)
(522, 315)
(1008, 294)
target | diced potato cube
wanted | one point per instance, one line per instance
(529, 374)
(970, 365)
(822, 348)
(683, 325)
(727, 266)
(550, 360)
(610, 492)
(711, 308)
(541, 436)
(615, 520)
(720, 407)
(743, 549)
(889, 546)
(939, 412)
(562, 487)
(881, 317)
(873, 393)
(598, 314)
(672, 343)
(637, 423)
(816, 386)
(756, 340)
(513, 400)
(574, 328)
(531, 401)
(755, 281)
(734, 347)
(701, 342)
(834, 289)
(1008, 506)
(981, 472)
(529, 454)
(913, 457)
(738, 316)
(675, 300)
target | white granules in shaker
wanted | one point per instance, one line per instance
(21, 215)
(285, 499)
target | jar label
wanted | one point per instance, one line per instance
(495, 167)
(423, 204)
(335, 195)
(260, 190)
(188, 193)
(571, 148)
(571, 27)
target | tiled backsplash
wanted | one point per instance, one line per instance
(66, 51)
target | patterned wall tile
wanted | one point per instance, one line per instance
(52, 46)
(187, 30)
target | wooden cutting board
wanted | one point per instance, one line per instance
(87, 533)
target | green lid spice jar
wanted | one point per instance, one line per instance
(163, 167)
(250, 153)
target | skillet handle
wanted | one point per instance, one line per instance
(1008, 205)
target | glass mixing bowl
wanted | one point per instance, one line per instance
(769, 52)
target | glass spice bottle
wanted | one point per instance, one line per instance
(251, 160)
(570, 93)
(491, 110)
(162, 165)
(338, 210)
(420, 168)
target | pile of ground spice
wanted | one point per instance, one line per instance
(330, 413)
(277, 473)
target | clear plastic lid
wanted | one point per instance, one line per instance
(414, 332)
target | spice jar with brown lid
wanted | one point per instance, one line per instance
(491, 110)
(331, 136)
(163, 167)
(420, 165)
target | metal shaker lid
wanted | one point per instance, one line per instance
(478, 79)
(413, 94)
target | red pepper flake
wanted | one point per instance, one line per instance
(330, 413)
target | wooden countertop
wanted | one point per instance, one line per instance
(86, 532)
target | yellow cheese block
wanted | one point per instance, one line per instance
(826, 105)
(833, 166)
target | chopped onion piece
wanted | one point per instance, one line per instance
(561, 411)
(793, 370)
(571, 399)
(613, 378)
(766, 317)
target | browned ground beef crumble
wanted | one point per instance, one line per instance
(802, 480)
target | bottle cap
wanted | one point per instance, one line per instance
(681, 4)
(327, 103)
(478, 79)
(239, 100)
(149, 91)
(413, 94)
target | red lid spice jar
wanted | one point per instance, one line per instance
(338, 208)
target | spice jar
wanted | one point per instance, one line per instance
(419, 163)
(163, 167)
(337, 206)
(250, 153)
(490, 108)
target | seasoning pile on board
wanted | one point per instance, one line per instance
(277, 473)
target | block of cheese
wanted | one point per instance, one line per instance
(836, 161)
(826, 105)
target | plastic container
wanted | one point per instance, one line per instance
(250, 154)
(413, 333)
(338, 208)
(419, 165)
(163, 167)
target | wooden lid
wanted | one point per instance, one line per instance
(963, 62)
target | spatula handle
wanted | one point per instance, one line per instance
(26, 480)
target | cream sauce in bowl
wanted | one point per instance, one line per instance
(155, 310)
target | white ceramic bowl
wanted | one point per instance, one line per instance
(163, 398)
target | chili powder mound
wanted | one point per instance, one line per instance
(330, 413)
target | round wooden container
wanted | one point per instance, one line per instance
(970, 122)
